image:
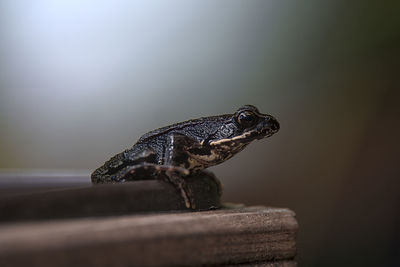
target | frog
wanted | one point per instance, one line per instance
(184, 149)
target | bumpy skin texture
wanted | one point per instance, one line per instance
(185, 148)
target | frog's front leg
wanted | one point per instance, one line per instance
(179, 154)
(187, 153)
(172, 174)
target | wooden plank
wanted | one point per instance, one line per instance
(267, 264)
(245, 235)
(106, 199)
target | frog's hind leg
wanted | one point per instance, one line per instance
(116, 166)
(147, 171)
(172, 174)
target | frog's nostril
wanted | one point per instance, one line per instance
(273, 124)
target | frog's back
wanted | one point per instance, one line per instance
(197, 128)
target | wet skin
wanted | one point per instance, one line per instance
(174, 152)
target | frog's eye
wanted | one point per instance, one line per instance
(246, 119)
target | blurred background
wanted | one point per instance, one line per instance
(82, 80)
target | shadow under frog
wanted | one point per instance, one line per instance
(174, 152)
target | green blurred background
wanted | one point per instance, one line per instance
(81, 80)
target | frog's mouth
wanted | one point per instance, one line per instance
(260, 131)
(267, 126)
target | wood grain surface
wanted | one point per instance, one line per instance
(265, 236)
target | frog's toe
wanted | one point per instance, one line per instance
(188, 198)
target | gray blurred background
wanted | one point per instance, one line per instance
(82, 80)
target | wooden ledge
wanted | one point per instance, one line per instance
(106, 200)
(229, 236)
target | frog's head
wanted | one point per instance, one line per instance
(241, 128)
(251, 124)
(231, 134)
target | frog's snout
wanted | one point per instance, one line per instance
(267, 127)
(273, 124)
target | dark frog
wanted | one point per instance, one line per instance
(187, 148)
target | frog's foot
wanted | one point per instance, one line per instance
(171, 174)
(180, 183)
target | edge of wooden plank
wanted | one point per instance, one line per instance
(212, 237)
